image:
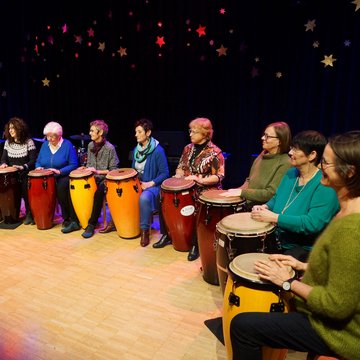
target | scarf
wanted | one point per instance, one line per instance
(141, 154)
(97, 146)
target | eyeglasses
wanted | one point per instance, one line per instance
(191, 131)
(53, 136)
(324, 164)
(267, 136)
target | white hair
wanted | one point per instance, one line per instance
(53, 128)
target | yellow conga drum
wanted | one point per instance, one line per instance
(123, 192)
(82, 190)
(245, 292)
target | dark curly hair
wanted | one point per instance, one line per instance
(146, 124)
(21, 128)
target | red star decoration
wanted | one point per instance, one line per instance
(78, 39)
(201, 30)
(160, 41)
(222, 11)
(64, 28)
(90, 32)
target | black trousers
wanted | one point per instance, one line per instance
(64, 199)
(98, 202)
(250, 331)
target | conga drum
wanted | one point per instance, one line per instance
(10, 195)
(82, 190)
(178, 208)
(42, 197)
(239, 234)
(123, 191)
(212, 208)
(245, 292)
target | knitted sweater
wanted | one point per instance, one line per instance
(312, 207)
(333, 304)
(264, 178)
(19, 154)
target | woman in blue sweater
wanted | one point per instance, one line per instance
(151, 164)
(58, 155)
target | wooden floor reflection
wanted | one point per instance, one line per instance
(65, 297)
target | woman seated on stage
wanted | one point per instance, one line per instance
(301, 206)
(327, 316)
(201, 161)
(268, 168)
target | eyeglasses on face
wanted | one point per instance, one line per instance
(191, 131)
(267, 136)
(52, 136)
(324, 164)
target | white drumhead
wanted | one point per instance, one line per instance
(214, 197)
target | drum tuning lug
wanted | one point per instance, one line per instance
(72, 187)
(277, 307)
(176, 202)
(105, 189)
(44, 185)
(87, 186)
(234, 299)
(119, 192)
(136, 188)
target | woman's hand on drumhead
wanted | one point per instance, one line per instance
(2, 166)
(273, 271)
(259, 207)
(264, 215)
(55, 171)
(39, 168)
(289, 261)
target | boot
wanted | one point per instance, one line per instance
(164, 240)
(108, 228)
(193, 253)
(145, 238)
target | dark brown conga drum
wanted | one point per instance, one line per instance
(10, 195)
(42, 197)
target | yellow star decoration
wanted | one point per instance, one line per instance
(101, 46)
(222, 50)
(328, 60)
(122, 51)
(46, 82)
(310, 25)
(357, 3)
(279, 74)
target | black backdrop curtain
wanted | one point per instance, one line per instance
(271, 70)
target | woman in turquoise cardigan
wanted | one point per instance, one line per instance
(328, 296)
(301, 206)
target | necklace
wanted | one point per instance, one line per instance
(289, 202)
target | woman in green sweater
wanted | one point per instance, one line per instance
(301, 206)
(328, 296)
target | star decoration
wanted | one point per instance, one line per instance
(90, 32)
(222, 11)
(357, 3)
(101, 46)
(257, 59)
(50, 40)
(64, 28)
(310, 25)
(201, 30)
(222, 50)
(78, 39)
(3, 94)
(315, 44)
(160, 41)
(328, 60)
(347, 43)
(254, 72)
(46, 82)
(122, 51)
(278, 75)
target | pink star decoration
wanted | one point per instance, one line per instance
(64, 28)
(90, 32)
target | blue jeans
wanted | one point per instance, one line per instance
(147, 199)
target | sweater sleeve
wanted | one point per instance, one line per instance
(163, 168)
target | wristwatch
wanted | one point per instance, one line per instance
(286, 285)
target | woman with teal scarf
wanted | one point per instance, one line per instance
(151, 164)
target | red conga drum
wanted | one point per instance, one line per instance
(212, 208)
(42, 197)
(10, 195)
(178, 208)
(123, 190)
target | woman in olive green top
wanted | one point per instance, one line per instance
(268, 168)
(328, 296)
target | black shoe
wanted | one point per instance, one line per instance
(73, 226)
(109, 227)
(28, 220)
(193, 253)
(164, 240)
(89, 231)
(66, 223)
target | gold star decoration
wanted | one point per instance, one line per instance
(328, 60)
(310, 25)
(46, 82)
(101, 46)
(122, 51)
(357, 3)
(279, 74)
(222, 50)
(257, 59)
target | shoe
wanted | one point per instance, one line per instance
(66, 223)
(29, 220)
(193, 253)
(73, 226)
(145, 238)
(164, 240)
(89, 231)
(108, 228)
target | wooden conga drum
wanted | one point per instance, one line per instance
(82, 190)
(42, 197)
(10, 195)
(123, 190)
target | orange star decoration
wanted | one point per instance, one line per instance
(101, 46)
(122, 51)
(328, 60)
(357, 3)
(160, 41)
(201, 30)
(222, 50)
(310, 25)
(46, 82)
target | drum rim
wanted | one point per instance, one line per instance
(222, 199)
(80, 173)
(189, 185)
(40, 173)
(228, 232)
(8, 170)
(131, 174)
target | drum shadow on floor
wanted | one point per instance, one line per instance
(10, 226)
(215, 326)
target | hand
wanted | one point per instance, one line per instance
(2, 166)
(272, 270)
(196, 178)
(92, 169)
(231, 192)
(19, 167)
(289, 261)
(259, 207)
(264, 215)
(146, 185)
(55, 171)
(39, 168)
